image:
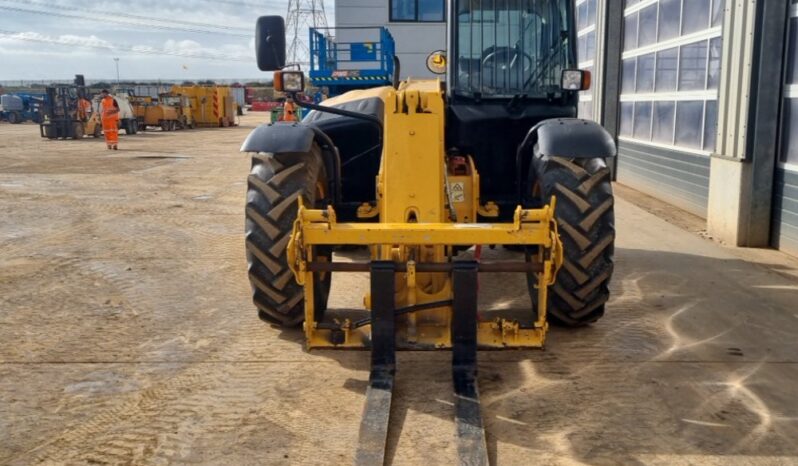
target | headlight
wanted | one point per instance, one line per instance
(575, 80)
(289, 81)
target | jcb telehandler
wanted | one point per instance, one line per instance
(421, 171)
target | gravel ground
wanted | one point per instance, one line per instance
(128, 336)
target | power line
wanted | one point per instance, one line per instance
(16, 35)
(126, 15)
(119, 21)
(248, 4)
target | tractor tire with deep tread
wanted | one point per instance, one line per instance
(275, 183)
(586, 222)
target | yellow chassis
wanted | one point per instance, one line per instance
(531, 227)
(415, 228)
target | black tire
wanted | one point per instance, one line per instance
(586, 222)
(98, 131)
(14, 118)
(273, 187)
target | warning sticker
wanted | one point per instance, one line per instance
(457, 191)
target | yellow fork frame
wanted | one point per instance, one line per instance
(530, 227)
(415, 227)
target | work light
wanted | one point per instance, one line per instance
(289, 81)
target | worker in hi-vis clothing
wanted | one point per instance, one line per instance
(84, 109)
(289, 110)
(110, 115)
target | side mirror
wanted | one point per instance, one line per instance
(575, 80)
(270, 42)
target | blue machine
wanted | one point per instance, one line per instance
(19, 107)
(343, 59)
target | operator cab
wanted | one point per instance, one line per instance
(509, 48)
(511, 65)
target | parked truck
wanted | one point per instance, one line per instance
(127, 116)
(169, 113)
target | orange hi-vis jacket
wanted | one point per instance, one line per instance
(109, 108)
(110, 118)
(289, 111)
(84, 108)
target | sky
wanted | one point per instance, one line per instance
(153, 39)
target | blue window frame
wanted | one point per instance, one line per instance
(417, 11)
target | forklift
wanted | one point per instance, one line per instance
(421, 171)
(63, 115)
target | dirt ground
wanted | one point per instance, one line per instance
(128, 336)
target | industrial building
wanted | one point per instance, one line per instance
(417, 26)
(700, 95)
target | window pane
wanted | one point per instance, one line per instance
(630, 32)
(627, 111)
(713, 78)
(581, 52)
(711, 126)
(666, 69)
(591, 12)
(648, 26)
(586, 110)
(689, 123)
(717, 12)
(695, 16)
(642, 120)
(645, 73)
(789, 132)
(430, 10)
(792, 54)
(581, 16)
(403, 10)
(669, 11)
(590, 52)
(629, 3)
(693, 67)
(628, 85)
(663, 122)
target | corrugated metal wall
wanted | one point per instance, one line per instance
(784, 227)
(668, 101)
(680, 178)
(785, 211)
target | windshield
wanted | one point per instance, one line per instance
(507, 48)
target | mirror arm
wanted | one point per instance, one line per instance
(337, 111)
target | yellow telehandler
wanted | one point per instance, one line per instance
(420, 171)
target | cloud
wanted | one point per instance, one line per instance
(57, 47)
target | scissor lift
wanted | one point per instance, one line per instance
(345, 59)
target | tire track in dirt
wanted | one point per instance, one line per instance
(157, 424)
